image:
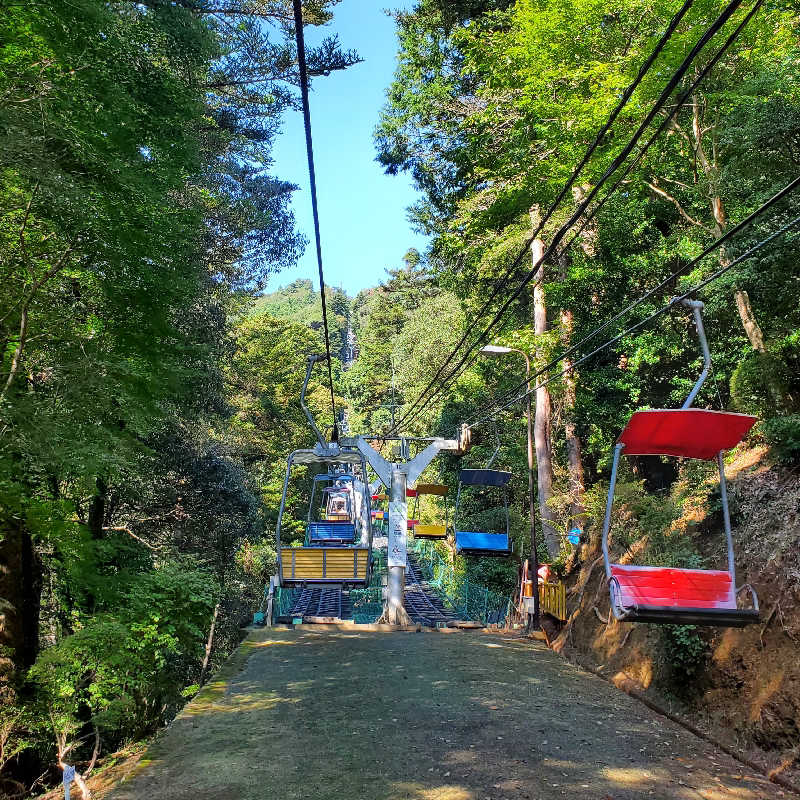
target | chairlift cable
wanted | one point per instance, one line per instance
(745, 223)
(728, 234)
(301, 61)
(615, 164)
(624, 99)
(666, 122)
(714, 276)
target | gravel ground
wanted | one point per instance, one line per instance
(324, 713)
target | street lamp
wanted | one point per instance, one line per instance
(499, 350)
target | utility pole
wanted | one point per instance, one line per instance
(397, 552)
(394, 405)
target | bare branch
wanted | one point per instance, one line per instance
(25, 221)
(28, 296)
(667, 196)
(126, 529)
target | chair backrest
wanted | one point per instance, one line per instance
(490, 478)
(320, 532)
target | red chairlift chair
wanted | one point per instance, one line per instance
(663, 594)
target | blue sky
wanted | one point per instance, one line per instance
(362, 211)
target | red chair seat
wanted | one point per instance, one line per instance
(685, 433)
(677, 588)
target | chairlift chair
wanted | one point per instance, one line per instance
(427, 530)
(338, 526)
(329, 555)
(664, 594)
(480, 543)
(338, 507)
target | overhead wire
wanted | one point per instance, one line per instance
(731, 232)
(668, 119)
(623, 101)
(301, 61)
(578, 213)
(710, 279)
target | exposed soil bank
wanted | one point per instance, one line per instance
(748, 694)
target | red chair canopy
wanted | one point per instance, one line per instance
(685, 433)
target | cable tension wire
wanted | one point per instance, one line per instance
(710, 279)
(616, 163)
(301, 62)
(717, 243)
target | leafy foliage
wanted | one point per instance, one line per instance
(138, 219)
(686, 653)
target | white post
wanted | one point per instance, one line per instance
(397, 555)
(396, 477)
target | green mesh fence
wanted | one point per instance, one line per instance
(367, 604)
(470, 601)
(283, 601)
(378, 568)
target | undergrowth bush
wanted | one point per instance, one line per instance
(760, 385)
(635, 513)
(685, 654)
(121, 674)
(782, 434)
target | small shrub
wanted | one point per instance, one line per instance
(782, 434)
(685, 652)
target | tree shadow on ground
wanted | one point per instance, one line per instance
(322, 714)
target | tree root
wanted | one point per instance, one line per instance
(604, 620)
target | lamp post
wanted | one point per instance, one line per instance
(499, 350)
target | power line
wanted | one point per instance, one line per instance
(746, 222)
(616, 163)
(667, 120)
(625, 98)
(714, 276)
(301, 61)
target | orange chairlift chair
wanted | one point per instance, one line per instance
(681, 596)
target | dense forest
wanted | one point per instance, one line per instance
(144, 407)
(493, 106)
(149, 384)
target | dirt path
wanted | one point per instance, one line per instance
(324, 714)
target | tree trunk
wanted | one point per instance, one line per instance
(751, 326)
(20, 591)
(577, 487)
(709, 166)
(542, 416)
(209, 645)
(97, 510)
